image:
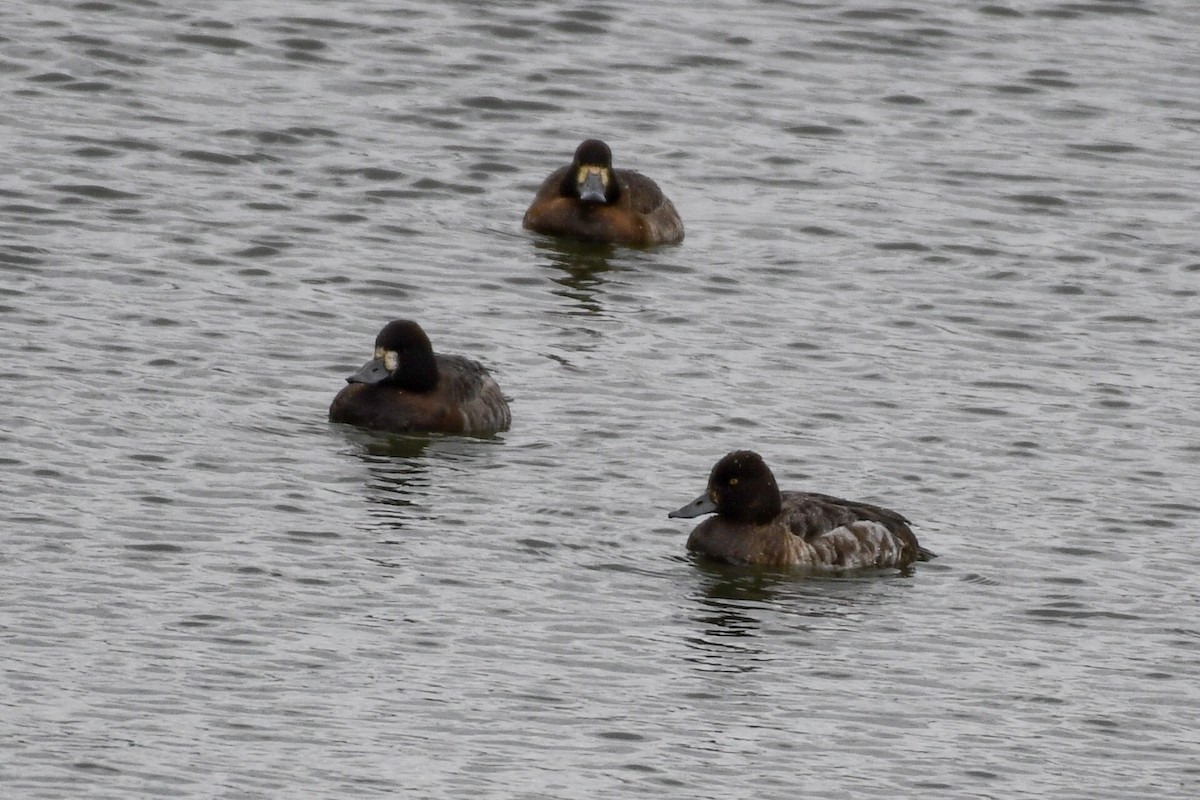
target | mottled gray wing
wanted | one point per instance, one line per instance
(473, 389)
(810, 514)
(465, 377)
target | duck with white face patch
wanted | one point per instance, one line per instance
(406, 388)
(589, 199)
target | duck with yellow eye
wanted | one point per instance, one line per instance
(589, 199)
(755, 523)
(406, 388)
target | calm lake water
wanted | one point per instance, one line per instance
(941, 256)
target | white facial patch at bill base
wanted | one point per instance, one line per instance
(585, 171)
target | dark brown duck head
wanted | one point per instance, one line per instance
(591, 177)
(403, 358)
(741, 488)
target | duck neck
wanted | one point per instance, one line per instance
(418, 373)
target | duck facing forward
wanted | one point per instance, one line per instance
(405, 388)
(588, 199)
(755, 523)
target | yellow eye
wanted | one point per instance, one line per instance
(733, 481)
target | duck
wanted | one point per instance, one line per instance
(406, 388)
(757, 524)
(588, 199)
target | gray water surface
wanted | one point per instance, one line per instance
(939, 256)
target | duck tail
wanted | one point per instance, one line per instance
(925, 555)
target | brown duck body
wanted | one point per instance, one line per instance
(467, 399)
(813, 531)
(755, 523)
(589, 199)
(407, 388)
(641, 215)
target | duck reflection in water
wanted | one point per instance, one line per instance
(401, 488)
(399, 477)
(729, 617)
(584, 265)
(740, 607)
